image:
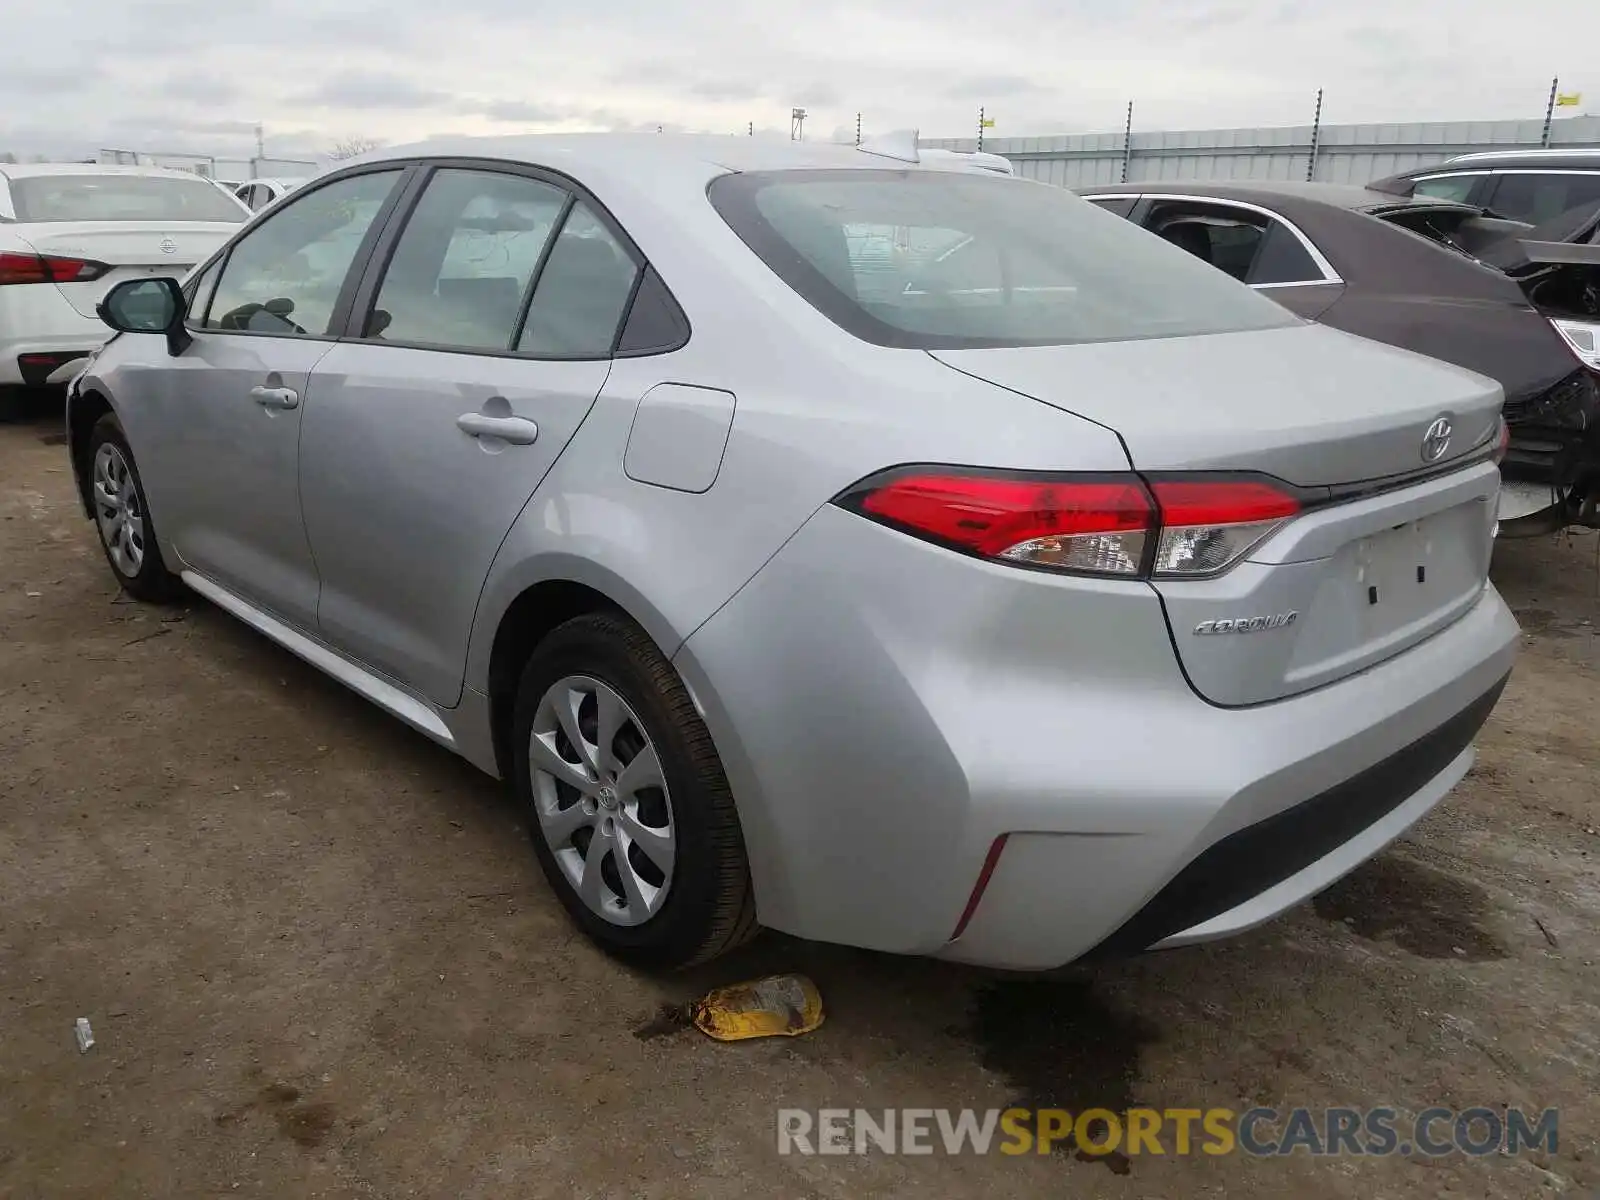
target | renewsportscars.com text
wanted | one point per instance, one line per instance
(1259, 1132)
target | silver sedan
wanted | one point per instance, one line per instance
(889, 552)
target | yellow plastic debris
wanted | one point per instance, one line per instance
(777, 1006)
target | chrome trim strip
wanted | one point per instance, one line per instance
(1530, 155)
(358, 679)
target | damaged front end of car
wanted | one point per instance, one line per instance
(1552, 469)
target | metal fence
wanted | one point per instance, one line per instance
(1344, 153)
(210, 166)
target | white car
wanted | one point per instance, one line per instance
(69, 232)
(256, 194)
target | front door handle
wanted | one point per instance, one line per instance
(519, 431)
(275, 397)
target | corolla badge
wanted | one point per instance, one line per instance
(168, 246)
(1436, 442)
(1247, 624)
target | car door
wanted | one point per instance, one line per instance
(479, 341)
(231, 405)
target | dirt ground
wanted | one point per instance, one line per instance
(319, 958)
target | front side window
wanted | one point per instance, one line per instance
(582, 292)
(941, 260)
(109, 197)
(197, 294)
(462, 268)
(285, 275)
(1448, 187)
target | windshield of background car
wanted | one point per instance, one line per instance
(938, 260)
(80, 197)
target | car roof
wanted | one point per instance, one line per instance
(703, 155)
(1274, 193)
(25, 170)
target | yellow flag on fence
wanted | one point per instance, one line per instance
(1569, 99)
(987, 123)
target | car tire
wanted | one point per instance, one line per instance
(122, 517)
(702, 906)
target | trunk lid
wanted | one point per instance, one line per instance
(133, 249)
(1379, 561)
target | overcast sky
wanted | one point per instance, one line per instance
(198, 74)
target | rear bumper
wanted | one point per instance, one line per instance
(42, 337)
(886, 711)
(1255, 873)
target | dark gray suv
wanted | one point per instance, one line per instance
(1524, 185)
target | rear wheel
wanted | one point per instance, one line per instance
(122, 517)
(630, 813)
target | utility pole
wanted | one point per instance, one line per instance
(261, 150)
(981, 123)
(858, 129)
(752, 131)
(1550, 112)
(1316, 139)
(1127, 142)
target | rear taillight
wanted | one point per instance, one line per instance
(1503, 444)
(1582, 338)
(1117, 525)
(47, 268)
(1208, 525)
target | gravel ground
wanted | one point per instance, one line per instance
(320, 960)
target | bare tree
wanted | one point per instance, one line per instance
(353, 147)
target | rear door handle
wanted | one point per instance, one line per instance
(278, 397)
(519, 431)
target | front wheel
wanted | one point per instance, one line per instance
(630, 813)
(122, 517)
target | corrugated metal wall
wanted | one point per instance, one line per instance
(1346, 153)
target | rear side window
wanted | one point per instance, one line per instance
(462, 268)
(1283, 259)
(1537, 198)
(88, 197)
(582, 292)
(1249, 245)
(655, 322)
(946, 260)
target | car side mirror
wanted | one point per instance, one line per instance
(148, 306)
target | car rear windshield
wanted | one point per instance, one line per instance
(85, 197)
(940, 260)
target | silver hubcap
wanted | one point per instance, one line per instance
(601, 800)
(117, 511)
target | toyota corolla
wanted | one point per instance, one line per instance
(889, 552)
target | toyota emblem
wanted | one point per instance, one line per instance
(1436, 442)
(168, 246)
